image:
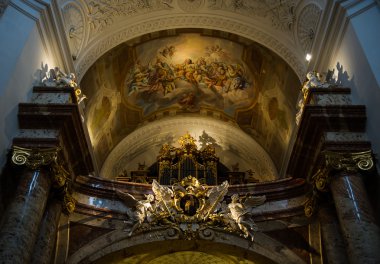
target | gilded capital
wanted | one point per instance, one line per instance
(34, 158)
(353, 161)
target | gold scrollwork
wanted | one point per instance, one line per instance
(60, 175)
(34, 158)
(321, 180)
(349, 161)
(68, 203)
(310, 205)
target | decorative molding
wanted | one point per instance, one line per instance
(75, 27)
(93, 51)
(166, 240)
(69, 203)
(34, 158)
(349, 162)
(190, 207)
(102, 14)
(281, 14)
(307, 25)
(190, 5)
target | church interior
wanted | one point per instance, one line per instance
(189, 131)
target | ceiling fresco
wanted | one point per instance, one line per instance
(189, 73)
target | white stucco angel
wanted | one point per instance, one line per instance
(239, 210)
(56, 78)
(313, 81)
(214, 197)
(163, 202)
(141, 210)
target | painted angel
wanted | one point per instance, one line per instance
(142, 210)
(239, 211)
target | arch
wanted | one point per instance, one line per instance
(161, 241)
(150, 137)
(130, 30)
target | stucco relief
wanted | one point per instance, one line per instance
(104, 13)
(307, 26)
(280, 14)
(75, 27)
(190, 5)
(90, 55)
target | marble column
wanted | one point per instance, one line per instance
(356, 218)
(46, 240)
(19, 231)
(334, 245)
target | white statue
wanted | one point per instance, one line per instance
(313, 81)
(239, 212)
(142, 211)
(164, 197)
(56, 78)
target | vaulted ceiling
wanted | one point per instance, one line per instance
(226, 71)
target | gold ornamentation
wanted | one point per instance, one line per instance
(310, 205)
(191, 207)
(68, 203)
(187, 143)
(349, 161)
(60, 175)
(321, 180)
(34, 158)
(80, 96)
(171, 162)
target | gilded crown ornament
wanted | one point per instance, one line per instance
(190, 207)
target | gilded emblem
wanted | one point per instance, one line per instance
(190, 207)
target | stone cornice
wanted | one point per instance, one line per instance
(318, 120)
(275, 190)
(65, 119)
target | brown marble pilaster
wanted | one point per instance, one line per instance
(355, 214)
(45, 244)
(19, 231)
(332, 239)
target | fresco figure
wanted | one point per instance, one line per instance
(165, 81)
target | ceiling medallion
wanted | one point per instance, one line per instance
(190, 208)
(190, 5)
